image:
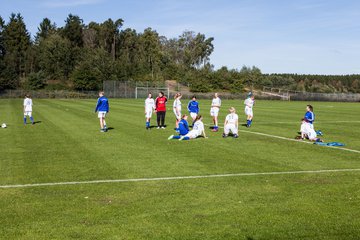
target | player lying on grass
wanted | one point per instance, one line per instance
(249, 104)
(193, 108)
(198, 130)
(308, 132)
(149, 107)
(102, 107)
(177, 110)
(183, 128)
(28, 109)
(231, 124)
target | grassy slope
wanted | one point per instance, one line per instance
(67, 146)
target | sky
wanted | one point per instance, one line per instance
(277, 36)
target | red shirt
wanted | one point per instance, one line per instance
(160, 104)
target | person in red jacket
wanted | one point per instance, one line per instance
(160, 108)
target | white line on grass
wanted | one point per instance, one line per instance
(178, 178)
(294, 140)
(317, 122)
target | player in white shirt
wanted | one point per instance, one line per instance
(249, 104)
(28, 109)
(214, 111)
(149, 107)
(307, 131)
(231, 124)
(198, 130)
(177, 109)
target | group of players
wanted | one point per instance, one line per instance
(182, 127)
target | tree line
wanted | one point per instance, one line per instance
(81, 56)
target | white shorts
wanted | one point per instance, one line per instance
(28, 113)
(307, 129)
(214, 111)
(101, 114)
(192, 134)
(193, 115)
(178, 116)
(230, 128)
(312, 134)
(248, 111)
(148, 113)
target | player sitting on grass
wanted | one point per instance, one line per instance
(149, 107)
(249, 103)
(183, 128)
(102, 107)
(193, 108)
(308, 132)
(28, 109)
(231, 124)
(198, 130)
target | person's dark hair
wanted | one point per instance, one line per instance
(194, 96)
(27, 95)
(311, 108)
(183, 116)
(197, 118)
(162, 93)
(177, 95)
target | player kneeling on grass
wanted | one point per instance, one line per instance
(198, 130)
(231, 124)
(307, 131)
(183, 128)
(102, 107)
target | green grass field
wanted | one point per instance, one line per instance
(67, 146)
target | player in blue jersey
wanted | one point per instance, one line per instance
(183, 128)
(102, 107)
(193, 108)
(197, 130)
(309, 115)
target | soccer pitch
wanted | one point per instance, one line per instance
(63, 179)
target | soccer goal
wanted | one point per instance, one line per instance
(142, 92)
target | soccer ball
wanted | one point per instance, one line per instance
(3, 125)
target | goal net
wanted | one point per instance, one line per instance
(142, 92)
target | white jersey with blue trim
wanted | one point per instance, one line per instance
(28, 105)
(249, 102)
(199, 126)
(232, 118)
(149, 104)
(177, 104)
(216, 102)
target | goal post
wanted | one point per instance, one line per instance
(142, 92)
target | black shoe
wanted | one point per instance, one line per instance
(236, 136)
